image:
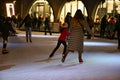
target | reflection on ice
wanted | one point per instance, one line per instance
(86, 43)
(42, 36)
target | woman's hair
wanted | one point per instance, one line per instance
(78, 15)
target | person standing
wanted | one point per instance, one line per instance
(91, 24)
(117, 28)
(39, 23)
(76, 37)
(5, 29)
(103, 26)
(62, 39)
(47, 25)
(111, 27)
(68, 20)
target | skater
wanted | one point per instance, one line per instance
(6, 28)
(28, 27)
(62, 39)
(76, 37)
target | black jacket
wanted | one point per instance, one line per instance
(6, 28)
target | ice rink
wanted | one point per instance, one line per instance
(29, 61)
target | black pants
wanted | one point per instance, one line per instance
(58, 45)
(5, 40)
(88, 34)
(47, 27)
(102, 32)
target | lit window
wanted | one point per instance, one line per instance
(10, 9)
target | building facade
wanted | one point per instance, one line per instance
(22, 7)
(57, 9)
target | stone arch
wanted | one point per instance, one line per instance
(25, 7)
(29, 5)
(57, 8)
(71, 7)
(91, 6)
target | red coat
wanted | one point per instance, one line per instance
(64, 34)
(112, 21)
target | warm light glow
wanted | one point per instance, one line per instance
(67, 7)
(41, 7)
(10, 9)
(109, 7)
(72, 7)
(14, 2)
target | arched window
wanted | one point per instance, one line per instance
(41, 8)
(72, 7)
(109, 7)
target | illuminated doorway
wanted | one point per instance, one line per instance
(10, 9)
(72, 7)
(109, 7)
(41, 8)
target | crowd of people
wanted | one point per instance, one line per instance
(107, 27)
(110, 27)
(71, 31)
(9, 26)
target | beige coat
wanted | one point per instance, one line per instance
(75, 42)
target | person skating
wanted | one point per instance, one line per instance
(28, 27)
(62, 39)
(6, 28)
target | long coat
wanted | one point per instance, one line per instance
(75, 42)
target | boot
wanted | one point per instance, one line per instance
(30, 40)
(4, 51)
(63, 57)
(80, 57)
(51, 55)
(27, 40)
(80, 60)
(118, 47)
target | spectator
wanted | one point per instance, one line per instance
(117, 29)
(111, 27)
(68, 20)
(47, 25)
(103, 25)
(90, 24)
